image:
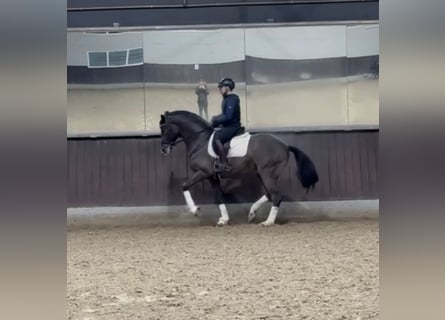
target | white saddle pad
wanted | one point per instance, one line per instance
(238, 146)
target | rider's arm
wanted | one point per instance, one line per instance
(227, 115)
(219, 119)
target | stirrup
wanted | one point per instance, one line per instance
(222, 167)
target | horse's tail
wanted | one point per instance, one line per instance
(306, 173)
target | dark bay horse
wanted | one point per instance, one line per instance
(267, 156)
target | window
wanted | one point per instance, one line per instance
(97, 59)
(135, 56)
(117, 58)
(112, 59)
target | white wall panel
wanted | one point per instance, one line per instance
(297, 43)
(227, 45)
(194, 46)
(362, 40)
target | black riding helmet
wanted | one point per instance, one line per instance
(226, 82)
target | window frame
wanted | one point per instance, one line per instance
(108, 59)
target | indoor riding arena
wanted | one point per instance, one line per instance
(306, 72)
(323, 270)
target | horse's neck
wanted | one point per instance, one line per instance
(185, 131)
(194, 137)
(197, 143)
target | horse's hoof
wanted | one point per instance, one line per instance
(251, 217)
(221, 223)
(267, 224)
(196, 211)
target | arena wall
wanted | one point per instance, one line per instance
(308, 72)
(131, 171)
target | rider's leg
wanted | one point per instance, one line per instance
(223, 162)
(221, 151)
(222, 136)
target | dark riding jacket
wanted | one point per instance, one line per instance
(231, 112)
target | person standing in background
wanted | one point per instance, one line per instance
(202, 92)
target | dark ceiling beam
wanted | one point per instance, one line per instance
(187, 5)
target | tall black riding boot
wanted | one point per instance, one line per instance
(223, 165)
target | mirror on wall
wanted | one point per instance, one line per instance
(287, 76)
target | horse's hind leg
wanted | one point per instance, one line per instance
(276, 201)
(270, 180)
(255, 207)
(257, 204)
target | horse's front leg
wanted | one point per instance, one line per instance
(219, 200)
(197, 176)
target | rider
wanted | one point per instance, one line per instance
(229, 122)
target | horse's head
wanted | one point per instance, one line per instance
(181, 124)
(169, 134)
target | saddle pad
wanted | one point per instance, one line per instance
(238, 146)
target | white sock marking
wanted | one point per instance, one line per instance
(272, 215)
(190, 203)
(258, 203)
(224, 213)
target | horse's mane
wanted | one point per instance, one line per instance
(190, 115)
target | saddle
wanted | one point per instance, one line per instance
(236, 147)
(241, 131)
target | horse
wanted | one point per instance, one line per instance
(266, 155)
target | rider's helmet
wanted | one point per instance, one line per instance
(226, 82)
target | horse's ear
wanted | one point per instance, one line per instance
(162, 119)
